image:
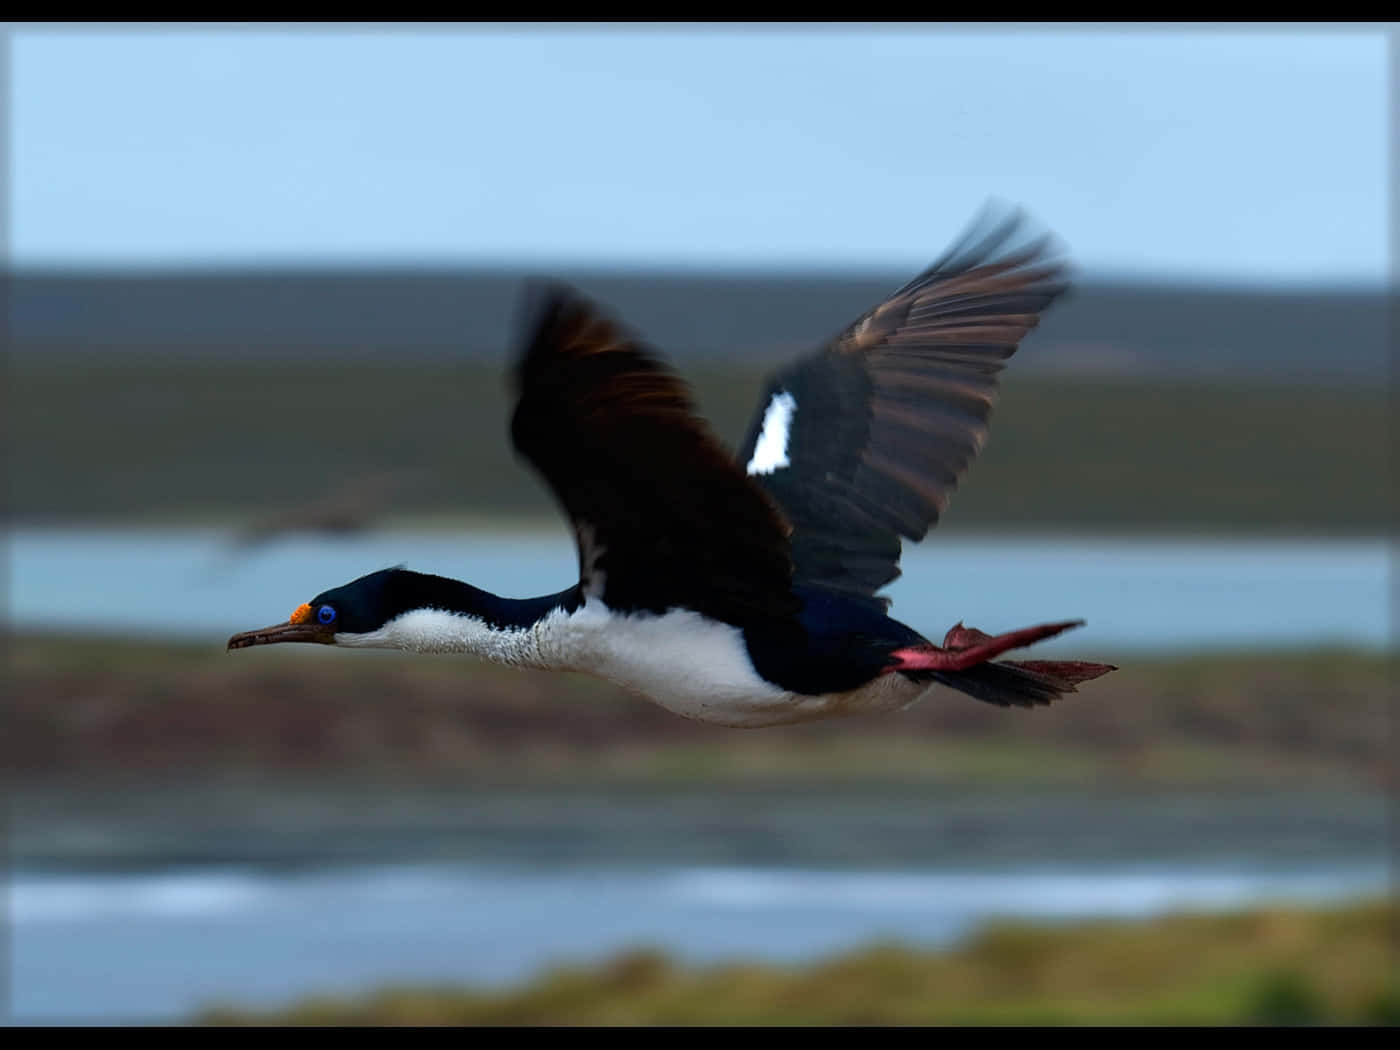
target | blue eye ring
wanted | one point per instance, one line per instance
(326, 614)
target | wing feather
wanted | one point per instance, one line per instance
(663, 516)
(888, 417)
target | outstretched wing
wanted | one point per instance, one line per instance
(863, 442)
(663, 515)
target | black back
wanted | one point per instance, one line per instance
(888, 417)
(662, 515)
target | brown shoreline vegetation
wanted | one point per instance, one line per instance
(100, 709)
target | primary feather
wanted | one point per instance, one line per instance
(881, 424)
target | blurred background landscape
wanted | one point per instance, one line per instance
(261, 312)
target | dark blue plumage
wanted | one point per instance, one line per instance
(371, 601)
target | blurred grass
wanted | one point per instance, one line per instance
(115, 708)
(1268, 966)
(153, 442)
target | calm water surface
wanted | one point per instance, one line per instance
(1135, 594)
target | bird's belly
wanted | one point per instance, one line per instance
(698, 668)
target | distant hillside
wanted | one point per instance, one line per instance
(378, 317)
(292, 438)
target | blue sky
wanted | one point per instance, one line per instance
(1242, 156)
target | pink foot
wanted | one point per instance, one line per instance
(965, 647)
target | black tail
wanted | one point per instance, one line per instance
(965, 662)
(1013, 683)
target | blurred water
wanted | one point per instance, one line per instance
(1135, 593)
(127, 906)
(153, 946)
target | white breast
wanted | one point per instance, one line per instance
(695, 667)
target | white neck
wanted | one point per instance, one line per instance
(438, 631)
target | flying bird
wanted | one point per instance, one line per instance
(743, 590)
(347, 510)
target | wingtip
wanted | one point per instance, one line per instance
(541, 299)
(545, 304)
(1005, 231)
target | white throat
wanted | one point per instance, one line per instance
(440, 631)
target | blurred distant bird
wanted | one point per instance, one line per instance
(743, 591)
(348, 510)
(351, 507)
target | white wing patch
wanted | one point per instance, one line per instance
(770, 452)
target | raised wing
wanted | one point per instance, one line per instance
(663, 515)
(863, 442)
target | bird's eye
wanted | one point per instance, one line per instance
(326, 614)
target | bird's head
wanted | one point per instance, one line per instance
(359, 608)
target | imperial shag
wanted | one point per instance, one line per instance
(743, 590)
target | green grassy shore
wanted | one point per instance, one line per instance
(160, 443)
(1267, 966)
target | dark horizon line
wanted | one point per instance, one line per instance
(671, 271)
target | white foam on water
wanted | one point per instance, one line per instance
(82, 898)
(1125, 892)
